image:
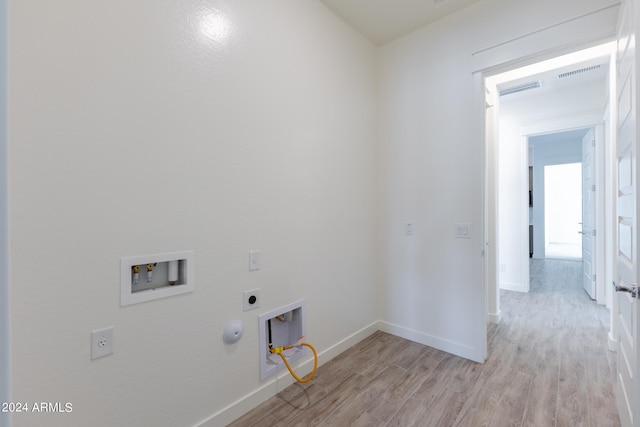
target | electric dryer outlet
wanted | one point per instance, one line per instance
(251, 299)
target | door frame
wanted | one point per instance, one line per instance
(579, 121)
(573, 35)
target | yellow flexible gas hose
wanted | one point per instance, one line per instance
(279, 350)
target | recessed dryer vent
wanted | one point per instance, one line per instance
(287, 328)
(148, 277)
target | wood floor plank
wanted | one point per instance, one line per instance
(365, 400)
(416, 407)
(318, 411)
(602, 407)
(444, 409)
(481, 405)
(410, 414)
(511, 406)
(409, 354)
(482, 402)
(383, 408)
(259, 414)
(542, 401)
(573, 408)
(441, 396)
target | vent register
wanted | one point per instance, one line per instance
(580, 71)
(521, 88)
(538, 83)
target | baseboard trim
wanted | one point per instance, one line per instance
(613, 343)
(282, 379)
(495, 317)
(507, 286)
(452, 347)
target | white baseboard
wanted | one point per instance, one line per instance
(283, 379)
(495, 317)
(613, 343)
(454, 348)
(518, 287)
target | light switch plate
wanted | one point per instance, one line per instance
(254, 260)
(409, 229)
(463, 231)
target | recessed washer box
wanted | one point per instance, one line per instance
(149, 277)
(288, 326)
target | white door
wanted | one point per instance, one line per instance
(626, 302)
(588, 213)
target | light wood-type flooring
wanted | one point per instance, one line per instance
(547, 365)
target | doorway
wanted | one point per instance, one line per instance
(555, 214)
(563, 211)
(527, 107)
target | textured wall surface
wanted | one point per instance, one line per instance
(158, 126)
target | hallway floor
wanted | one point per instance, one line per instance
(564, 251)
(548, 365)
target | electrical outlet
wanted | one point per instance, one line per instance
(251, 299)
(101, 343)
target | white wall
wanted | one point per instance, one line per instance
(131, 132)
(513, 173)
(432, 165)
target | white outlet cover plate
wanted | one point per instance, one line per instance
(101, 343)
(246, 295)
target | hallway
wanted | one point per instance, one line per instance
(548, 365)
(559, 335)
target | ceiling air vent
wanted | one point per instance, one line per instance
(520, 88)
(576, 72)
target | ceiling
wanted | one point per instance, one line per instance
(564, 75)
(382, 21)
(559, 136)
